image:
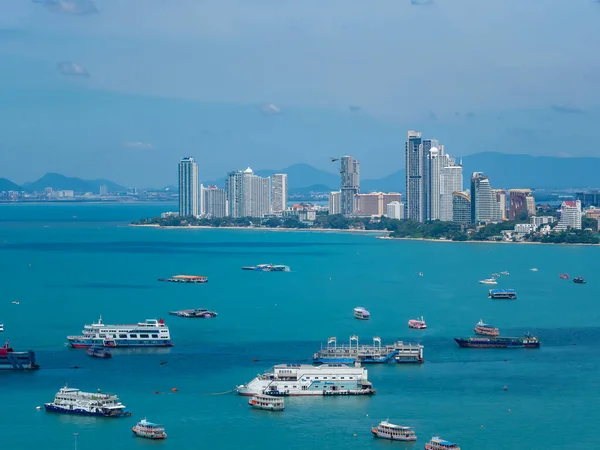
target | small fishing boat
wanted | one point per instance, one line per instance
(495, 275)
(149, 430)
(417, 324)
(488, 281)
(386, 430)
(361, 313)
(564, 276)
(534, 269)
(579, 280)
(505, 273)
(98, 352)
(15, 302)
(486, 329)
(437, 443)
(267, 402)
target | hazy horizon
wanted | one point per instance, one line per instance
(123, 89)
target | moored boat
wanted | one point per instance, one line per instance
(502, 294)
(190, 279)
(564, 276)
(73, 401)
(488, 281)
(386, 430)
(505, 273)
(377, 353)
(307, 380)
(268, 268)
(11, 360)
(579, 280)
(437, 443)
(1, 327)
(150, 333)
(267, 402)
(418, 324)
(499, 342)
(361, 313)
(149, 430)
(99, 352)
(197, 313)
(486, 329)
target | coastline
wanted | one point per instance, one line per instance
(482, 242)
(313, 230)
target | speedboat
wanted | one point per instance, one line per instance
(437, 443)
(534, 269)
(486, 329)
(386, 430)
(15, 302)
(495, 275)
(149, 430)
(579, 280)
(488, 281)
(361, 313)
(418, 324)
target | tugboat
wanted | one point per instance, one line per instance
(98, 352)
(149, 430)
(267, 402)
(417, 324)
(386, 430)
(437, 443)
(486, 329)
(361, 313)
(579, 280)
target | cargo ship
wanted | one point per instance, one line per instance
(499, 342)
(150, 333)
(502, 294)
(11, 360)
(377, 353)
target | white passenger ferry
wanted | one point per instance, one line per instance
(304, 379)
(73, 401)
(386, 430)
(150, 333)
(267, 402)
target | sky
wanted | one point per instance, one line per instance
(122, 89)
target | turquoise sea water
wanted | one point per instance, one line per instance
(67, 264)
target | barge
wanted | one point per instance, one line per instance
(11, 360)
(396, 353)
(502, 294)
(499, 342)
(190, 279)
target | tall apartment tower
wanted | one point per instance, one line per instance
(433, 178)
(350, 184)
(484, 206)
(215, 202)
(248, 195)
(189, 188)
(334, 203)
(414, 177)
(279, 184)
(451, 181)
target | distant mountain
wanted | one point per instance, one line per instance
(308, 189)
(525, 171)
(7, 185)
(63, 183)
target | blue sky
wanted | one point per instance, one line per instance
(167, 79)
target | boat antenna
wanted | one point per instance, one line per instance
(75, 436)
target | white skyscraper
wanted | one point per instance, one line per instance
(484, 206)
(451, 181)
(570, 216)
(279, 183)
(189, 189)
(335, 202)
(434, 162)
(248, 195)
(215, 201)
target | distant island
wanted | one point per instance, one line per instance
(396, 229)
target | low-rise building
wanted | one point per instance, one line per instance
(525, 228)
(541, 220)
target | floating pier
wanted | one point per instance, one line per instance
(398, 352)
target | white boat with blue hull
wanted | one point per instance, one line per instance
(150, 333)
(73, 401)
(377, 353)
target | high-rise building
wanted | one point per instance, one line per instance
(484, 207)
(570, 216)
(501, 199)
(350, 184)
(215, 201)
(433, 178)
(451, 181)
(279, 184)
(248, 195)
(189, 188)
(103, 190)
(334, 203)
(522, 204)
(395, 210)
(414, 177)
(461, 208)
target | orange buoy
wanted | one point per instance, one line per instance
(174, 390)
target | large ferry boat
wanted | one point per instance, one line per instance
(150, 333)
(398, 352)
(73, 401)
(11, 360)
(386, 430)
(437, 443)
(486, 329)
(499, 342)
(304, 379)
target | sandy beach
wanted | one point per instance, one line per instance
(312, 230)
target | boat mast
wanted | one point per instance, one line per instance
(75, 436)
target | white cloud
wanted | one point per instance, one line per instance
(137, 145)
(270, 108)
